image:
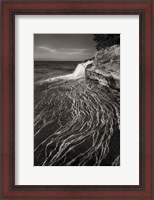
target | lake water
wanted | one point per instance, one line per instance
(48, 69)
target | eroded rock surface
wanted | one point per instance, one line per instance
(106, 67)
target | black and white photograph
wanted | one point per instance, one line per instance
(77, 100)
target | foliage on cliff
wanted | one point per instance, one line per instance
(106, 40)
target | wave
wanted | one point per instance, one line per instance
(78, 73)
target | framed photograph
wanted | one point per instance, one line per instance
(76, 99)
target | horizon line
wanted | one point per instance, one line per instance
(60, 60)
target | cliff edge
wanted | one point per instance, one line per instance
(105, 68)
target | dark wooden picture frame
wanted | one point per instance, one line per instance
(12, 8)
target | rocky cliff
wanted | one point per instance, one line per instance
(105, 68)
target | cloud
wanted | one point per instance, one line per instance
(48, 49)
(70, 51)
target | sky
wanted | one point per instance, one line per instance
(63, 47)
